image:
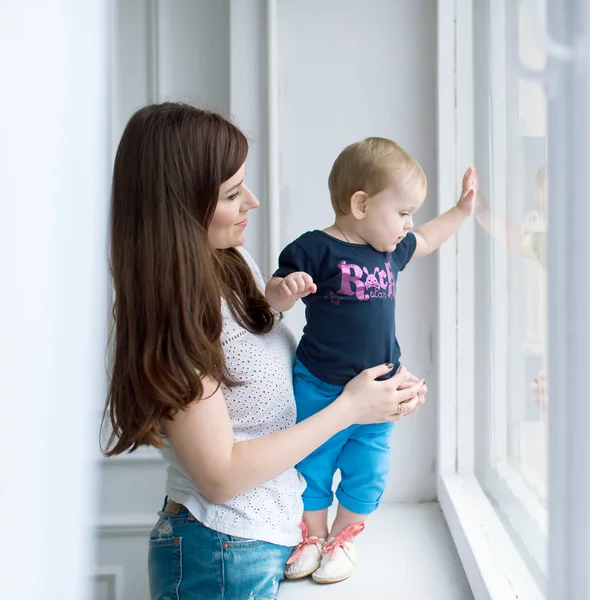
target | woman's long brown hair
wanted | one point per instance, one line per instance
(168, 281)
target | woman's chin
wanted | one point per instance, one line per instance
(240, 238)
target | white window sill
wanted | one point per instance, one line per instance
(493, 565)
(405, 552)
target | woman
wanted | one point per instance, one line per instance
(202, 366)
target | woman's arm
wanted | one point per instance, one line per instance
(203, 439)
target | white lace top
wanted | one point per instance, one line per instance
(272, 511)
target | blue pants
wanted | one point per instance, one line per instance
(361, 452)
(187, 560)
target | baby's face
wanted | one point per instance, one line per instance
(390, 213)
(541, 195)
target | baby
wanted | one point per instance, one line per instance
(346, 276)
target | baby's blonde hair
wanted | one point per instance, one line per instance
(369, 166)
(541, 178)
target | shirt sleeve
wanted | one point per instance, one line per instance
(292, 259)
(405, 250)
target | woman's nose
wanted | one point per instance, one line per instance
(251, 201)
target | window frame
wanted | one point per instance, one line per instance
(491, 560)
(509, 487)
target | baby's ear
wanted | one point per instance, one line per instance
(358, 205)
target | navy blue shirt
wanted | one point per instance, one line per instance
(351, 318)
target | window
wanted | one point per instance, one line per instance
(493, 305)
(513, 295)
(510, 279)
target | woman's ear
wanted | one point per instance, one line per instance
(358, 205)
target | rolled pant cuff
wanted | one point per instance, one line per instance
(356, 506)
(317, 503)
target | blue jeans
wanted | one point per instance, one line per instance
(361, 452)
(188, 561)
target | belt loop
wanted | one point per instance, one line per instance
(171, 507)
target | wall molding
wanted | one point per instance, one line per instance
(125, 524)
(153, 49)
(113, 577)
(141, 455)
(273, 155)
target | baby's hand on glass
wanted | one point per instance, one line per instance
(469, 190)
(481, 207)
(297, 285)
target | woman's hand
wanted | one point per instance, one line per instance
(370, 401)
(413, 404)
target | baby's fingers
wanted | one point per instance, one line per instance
(288, 287)
(308, 284)
(468, 178)
(302, 284)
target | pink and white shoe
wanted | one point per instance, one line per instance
(339, 556)
(306, 557)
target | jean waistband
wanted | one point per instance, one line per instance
(172, 508)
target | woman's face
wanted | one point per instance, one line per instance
(228, 225)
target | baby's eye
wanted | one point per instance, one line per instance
(404, 214)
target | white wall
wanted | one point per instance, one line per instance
(54, 159)
(347, 69)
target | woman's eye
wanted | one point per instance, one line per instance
(235, 195)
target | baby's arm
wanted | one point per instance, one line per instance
(283, 292)
(433, 234)
(292, 280)
(502, 228)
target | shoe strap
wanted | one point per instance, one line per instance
(347, 534)
(307, 541)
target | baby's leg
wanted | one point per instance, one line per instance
(344, 518)
(318, 471)
(317, 522)
(364, 465)
(318, 468)
(311, 396)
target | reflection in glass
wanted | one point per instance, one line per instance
(511, 273)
